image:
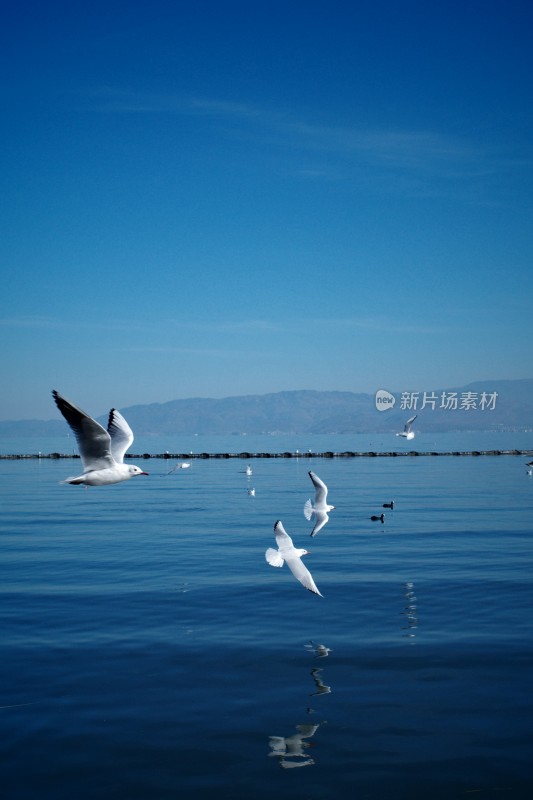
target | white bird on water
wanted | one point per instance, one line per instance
(321, 508)
(292, 555)
(102, 451)
(407, 433)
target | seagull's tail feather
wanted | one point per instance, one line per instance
(308, 510)
(273, 557)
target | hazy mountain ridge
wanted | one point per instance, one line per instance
(308, 411)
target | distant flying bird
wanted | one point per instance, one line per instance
(102, 452)
(380, 518)
(389, 505)
(248, 470)
(320, 508)
(251, 492)
(181, 465)
(292, 555)
(407, 433)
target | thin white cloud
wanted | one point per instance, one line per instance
(171, 350)
(421, 163)
(30, 322)
(396, 145)
(223, 326)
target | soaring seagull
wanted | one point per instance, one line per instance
(320, 508)
(102, 451)
(292, 555)
(407, 433)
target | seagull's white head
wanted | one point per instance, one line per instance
(133, 470)
(301, 552)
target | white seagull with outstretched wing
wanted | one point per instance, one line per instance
(101, 451)
(320, 508)
(407, 433)
(287, 552)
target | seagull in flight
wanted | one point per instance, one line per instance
(292, 555)
(321, 508)
(181, 465)
(102, 451)
(407, 433)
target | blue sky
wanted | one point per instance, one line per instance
(210, 198)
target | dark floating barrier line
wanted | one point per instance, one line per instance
(325, 454)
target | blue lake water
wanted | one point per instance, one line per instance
(149, 651)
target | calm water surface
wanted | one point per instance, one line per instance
(149, 651)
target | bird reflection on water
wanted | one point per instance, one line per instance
(291, 751)
(320, 650)
(321, 687)
(410, 611)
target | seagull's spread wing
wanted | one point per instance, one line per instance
(283, 540)
(288, 553)
(409, 422)
(121, 435)
(94, 441)
(301, 573)
(321, 519)
(321, 490)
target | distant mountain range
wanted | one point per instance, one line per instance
(487, 405)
